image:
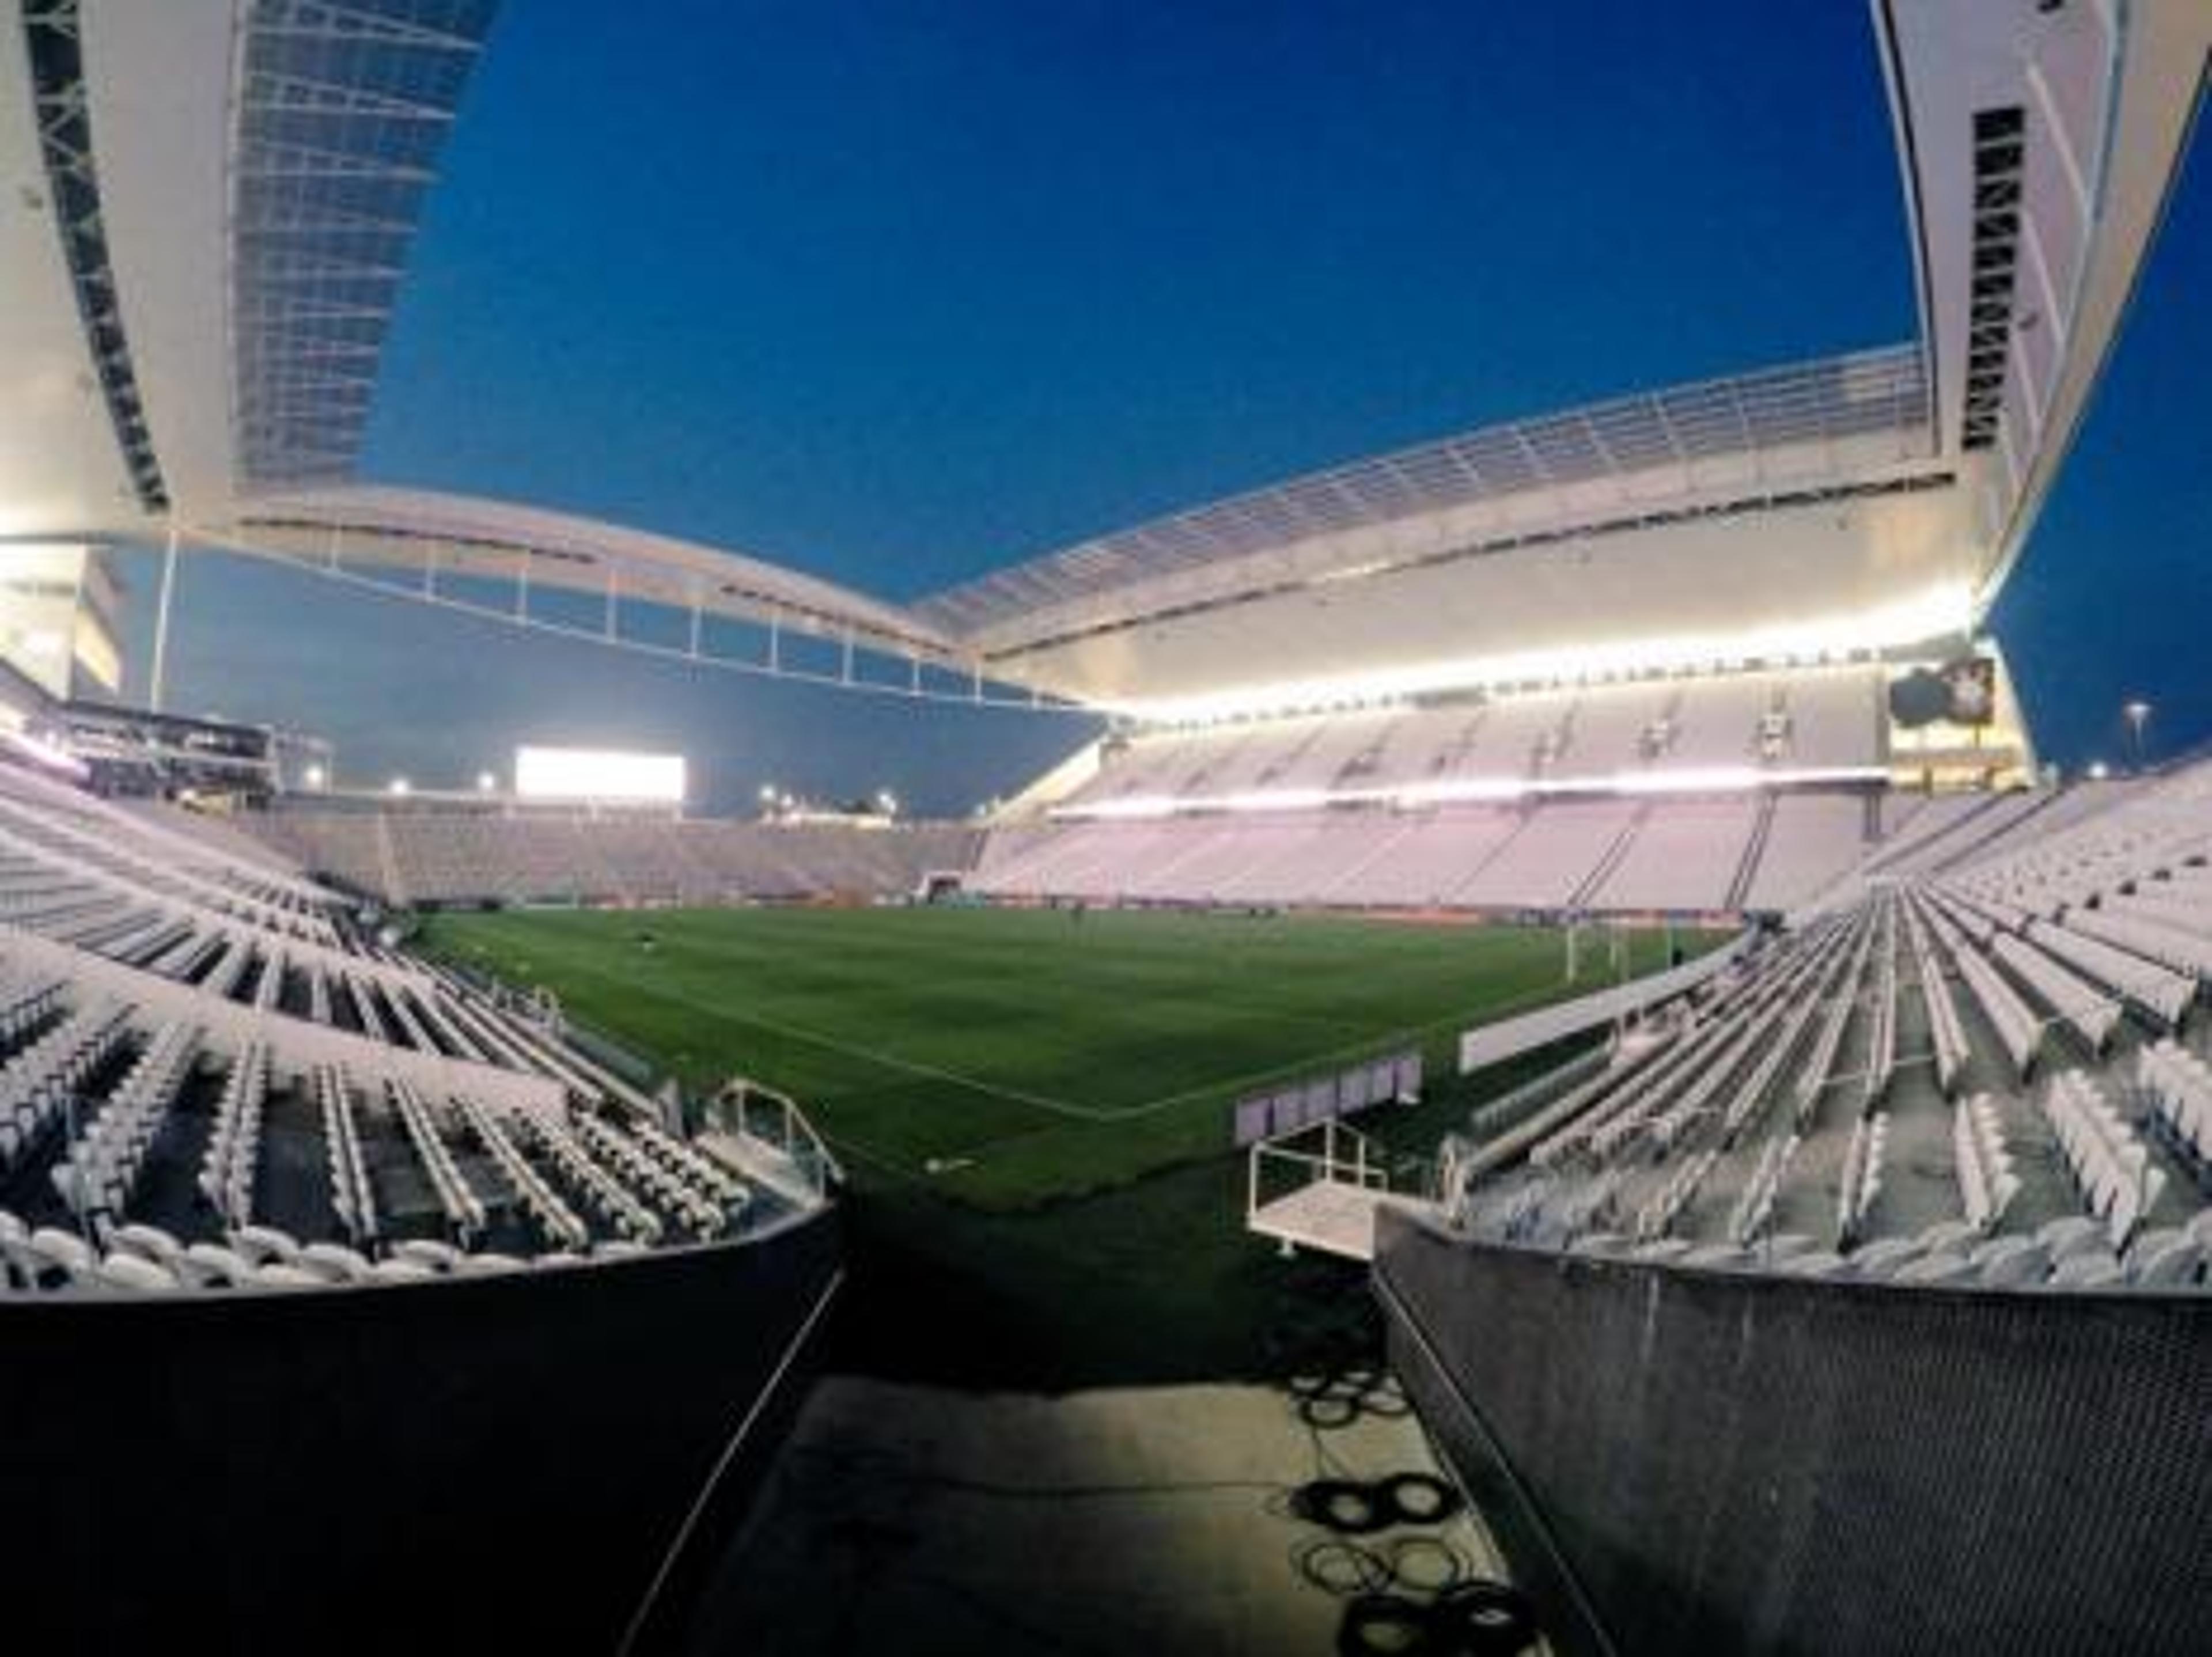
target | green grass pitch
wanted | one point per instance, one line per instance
(1011, 1057)
(1033, 1111)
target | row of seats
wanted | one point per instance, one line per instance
(1987, 1182)
(100, 1170)
(1887, 1038)
(555, 1221)
(114, 852)
(142, 1258)
(352, 1194)
(2162, 994)
(1946, 1032)
(425, 854)
(1617, 853)
(2168, 945)
(39, 1082)
(614, 1200)
(1753, 1217)
(26, 1008)
(2179, 1085)
(669, 1185)
(234, 1150)
(2113, 1168)
(136, 941)
(2088, 1010)
(463, 1209)
(2067, 1253)
(1686, 1078)
(1660, 1211)
(1818, 718)
(2016, 1025)
(1861, 1185)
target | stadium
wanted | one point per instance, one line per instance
(1549, 1067)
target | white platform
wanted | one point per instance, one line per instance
(1334, 1217)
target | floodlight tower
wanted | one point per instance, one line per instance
(2138, 713)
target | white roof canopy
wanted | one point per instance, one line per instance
(215, 201)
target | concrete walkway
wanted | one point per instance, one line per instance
(907, 1519)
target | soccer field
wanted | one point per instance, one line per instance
(1009, 1056)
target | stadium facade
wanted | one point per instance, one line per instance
(1714, 649)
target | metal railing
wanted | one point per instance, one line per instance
(772, 1125)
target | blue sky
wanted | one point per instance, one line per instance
(898, 292)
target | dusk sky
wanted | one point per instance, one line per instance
(902, 291)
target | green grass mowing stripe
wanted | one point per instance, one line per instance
(1373, 1045)
(915, 1035)
(1210, 1013)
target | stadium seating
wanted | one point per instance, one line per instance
(1813, 719)
(211, 1080)
(1619, 854)
(1865, 1096)
(430, 852)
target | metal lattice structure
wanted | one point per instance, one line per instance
(342, 109)
(1866, 393)
(53, 37)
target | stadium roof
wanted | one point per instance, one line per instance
(339, 113)
(216, 198)
(1585, 462)
(472, 552)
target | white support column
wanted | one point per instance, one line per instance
(158, 684)
(775, 642)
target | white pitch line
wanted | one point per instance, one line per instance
(1043, 1101)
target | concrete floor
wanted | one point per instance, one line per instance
(1156, 1521)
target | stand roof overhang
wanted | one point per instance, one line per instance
(215, 200)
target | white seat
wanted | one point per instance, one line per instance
(1882, 1258)
(24, 1266)
(124, 1270)
(2165, 1260)
(263, 1244)
(438, 1256)
(280, 1276)
(1816, 1263)
(2087, 1270)
(334, 1263)
(401, 1271)
(149, 1242)
(211, 1266)
(2011, 1262)
(484, 1265)
(1600, 1242)
(1717, 1257)
(1948, 1234)
(65, 1250)
(1787, 1245)
(2071, 1235)
(1938, 1269)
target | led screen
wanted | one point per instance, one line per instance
(583, 774)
